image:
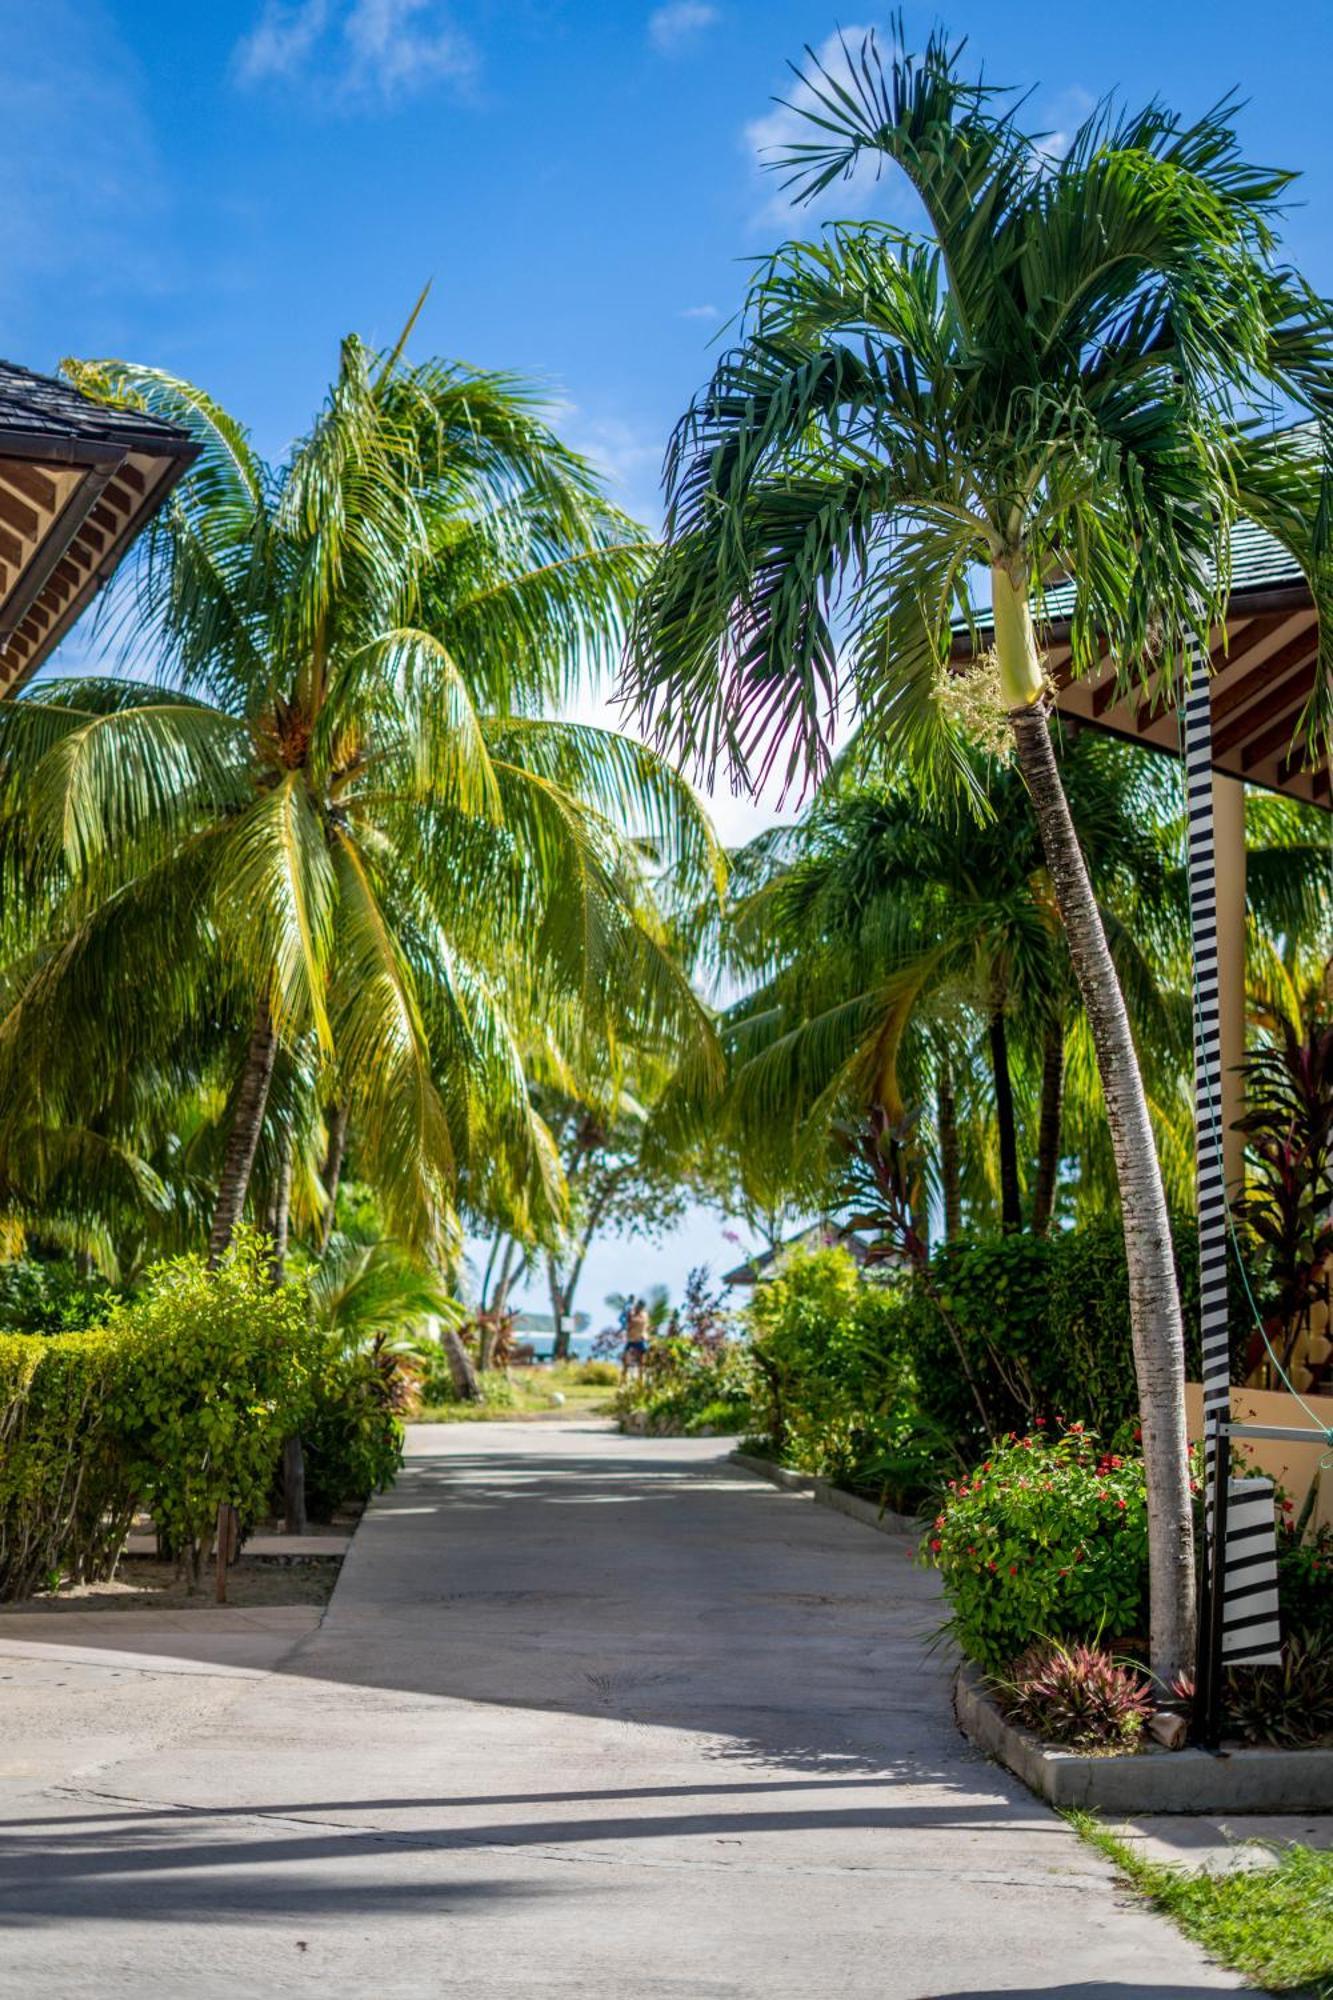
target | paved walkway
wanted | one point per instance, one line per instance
(588, 1716)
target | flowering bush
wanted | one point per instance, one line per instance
(1305, 1578)
(1047, 1539)
(1077, 1695)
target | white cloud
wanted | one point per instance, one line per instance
(674, 26)
(377, 48)
(697, 312)
(769, 137)
(1062, 115)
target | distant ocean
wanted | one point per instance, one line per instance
(543, 1344)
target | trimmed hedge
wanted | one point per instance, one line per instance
(66, 1494)
(180, 1402)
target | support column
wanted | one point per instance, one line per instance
(1229, 843)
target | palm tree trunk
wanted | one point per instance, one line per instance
(243, 1138)
(946, 1119)
(333, 1170)
(461, 1372)
(293, 1455)
(1011, 1200)
(1048, 1127)
(559, 1311)
(1159, 1345)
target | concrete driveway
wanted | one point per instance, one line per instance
(588, 1715)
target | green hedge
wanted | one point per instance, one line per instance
(181, 1401)
(66, 1493)
(1045, 1326)
(837, 1379)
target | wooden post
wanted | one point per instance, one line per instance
(224, 1550)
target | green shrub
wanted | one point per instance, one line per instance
(213, 1373)
(1044, 1323)
(1289, 1706)
(1047, 1539)
(838, 1380)
(598, 1374)
(1305, 1581)
(690, 1386)
(353, 1439)
(40, 1295)
(67, 1493)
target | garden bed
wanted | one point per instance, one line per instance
(1149, 1780)
(141, 1583)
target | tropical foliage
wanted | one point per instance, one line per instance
(1059, 376)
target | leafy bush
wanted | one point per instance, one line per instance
(1044, 1324)
(1047, 1539)
(688, 1387)
(38, 1295)
(1077, 1695)
(1305, 1581)
(67, 1495)
(213, 1373)
(352, 1435)
(598, 1374)
(838, 1381)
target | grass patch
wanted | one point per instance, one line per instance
(525, 1392)
(1275, 1924)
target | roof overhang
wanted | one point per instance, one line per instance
(77, 483)
(1264, 658)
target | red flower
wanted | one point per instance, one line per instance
(1122, 1504)
(1013, 1569)
(936, 1546)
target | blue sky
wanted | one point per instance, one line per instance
(224, 190)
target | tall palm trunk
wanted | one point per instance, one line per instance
(1048, 1127)
(946, 1119)
(1011, 1199)
(332, 1171)
(243, 1138)
(293, 1454)
(1154, 1298)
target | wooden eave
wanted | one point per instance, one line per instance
(70, 506)
(1265, 658)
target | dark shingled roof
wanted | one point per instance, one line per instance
(78, 481)
(54, 414)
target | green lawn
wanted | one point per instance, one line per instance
(526, 1392)
(1275, 1925)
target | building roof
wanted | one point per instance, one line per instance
(1265, 658)
(78, 481)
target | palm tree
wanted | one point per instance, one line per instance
(896, 940)
(337, 828)
(1055, 377)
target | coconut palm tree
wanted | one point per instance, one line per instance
(1054, 376)
(336, 825)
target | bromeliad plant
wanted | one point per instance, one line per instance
(1061, 375)
(1077, 1695)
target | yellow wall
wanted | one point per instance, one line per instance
(1292, 1465)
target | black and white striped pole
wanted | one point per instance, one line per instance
(1238, 1573)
